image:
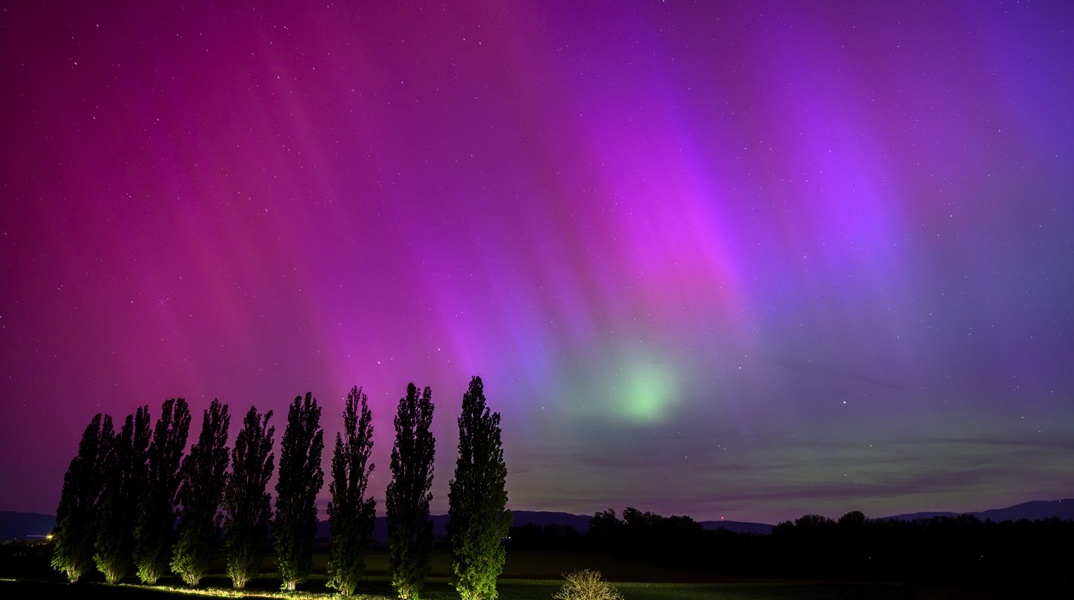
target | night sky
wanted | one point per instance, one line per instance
(745, 260)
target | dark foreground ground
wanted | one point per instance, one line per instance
(533, 575)
(534, 590)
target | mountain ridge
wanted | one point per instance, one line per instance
(16, 525)
(1033, 510)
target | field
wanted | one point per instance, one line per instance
(527, 576)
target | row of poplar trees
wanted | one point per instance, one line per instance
(132, 500)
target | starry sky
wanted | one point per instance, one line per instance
(742, 260)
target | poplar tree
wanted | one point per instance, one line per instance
(127, 470)
(350, 513)
(200, 494)
(155, 531)
(76, 516)
(301, 478)
(247, 508)
(478, 519)
(410, 531)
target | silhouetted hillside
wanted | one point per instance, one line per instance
(25, 526)
(738, 526)
(1033, 511)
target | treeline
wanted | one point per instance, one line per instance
(938, 550)
(133, 502)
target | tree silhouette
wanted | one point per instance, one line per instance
(126, 474)
(605, 532)
(410, 531)
(247, 508)
(76, 515)
(156, 520)
(477, 500)
(350, 513)
(301, 478)
(200, 494)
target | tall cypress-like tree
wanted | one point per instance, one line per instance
(247, 506)
(301, 477)
(350, 513)
(127, 469)
(202, 489)
(478, 519)
(76, 515)
(410, 531)
(155, 531)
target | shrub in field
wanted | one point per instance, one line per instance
(586, 585)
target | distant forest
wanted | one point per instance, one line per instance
(939, 549)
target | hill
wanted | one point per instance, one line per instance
(1032, 511)
(25, 526)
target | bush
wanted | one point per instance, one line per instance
(586, 585)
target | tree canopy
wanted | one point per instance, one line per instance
(156, 520)
(126, 473)
(76, 515)
(301, 478)
(350, 513)
(478, 519)
(200, 494)
(247, 508)
(410, 531)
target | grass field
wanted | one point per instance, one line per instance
(541, 590)
(440, 590)
(527, 576)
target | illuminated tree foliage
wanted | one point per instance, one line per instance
(200, 494)
(154, 533)
(410, 531)
(350, 513)
(126, 474)
(75, 533)
(301, 478)
(477, 500)
(247, 508)
(586, 585)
